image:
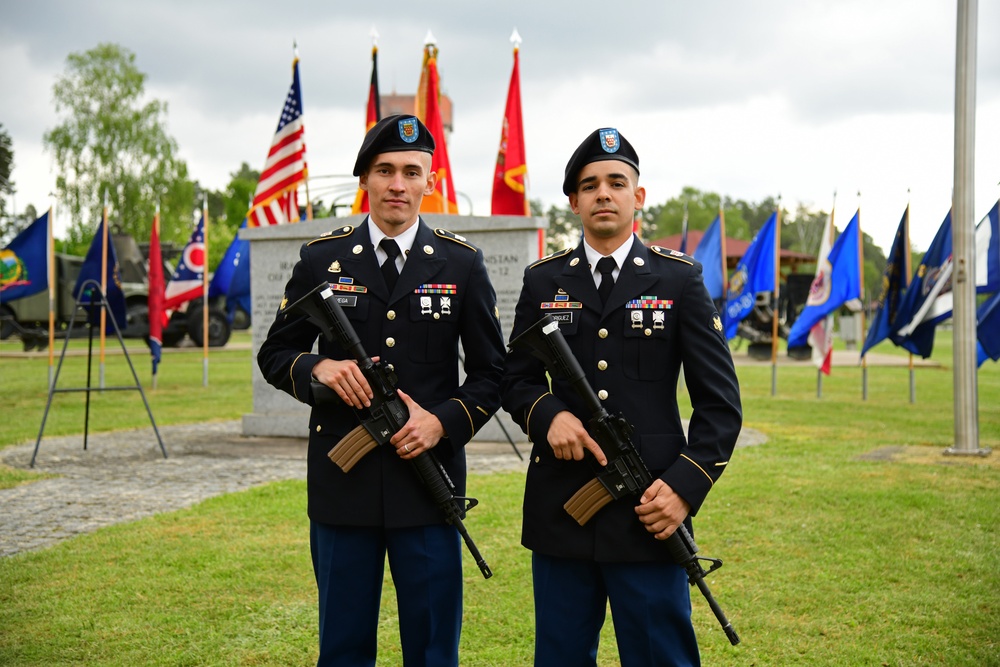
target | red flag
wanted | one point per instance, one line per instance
(443, 199)
(373, 116)
(276, 200)
(510, 178)
(156, 312)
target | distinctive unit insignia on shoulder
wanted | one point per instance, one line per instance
(346, 230)
(554, 255)
(451, 236)
(671, 254)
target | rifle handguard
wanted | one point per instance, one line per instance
(587, 501)
(352, 448)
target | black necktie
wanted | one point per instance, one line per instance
(606, 266)
(389, 270)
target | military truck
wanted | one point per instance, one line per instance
(29, 316)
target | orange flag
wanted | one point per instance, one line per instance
(373, 116)
(510, 177)
(443, 199)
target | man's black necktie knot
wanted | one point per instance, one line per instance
(389, 270)
(606, 267)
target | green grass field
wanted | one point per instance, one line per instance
(849, 538)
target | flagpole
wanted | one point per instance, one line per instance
(725, 260)
(906, 277)
(204, 295)
(861, 295)
(777, 289)
(104, 281)
(156, 228)
(305, 181)
(966, 394)
(819, 371)
(50, 258)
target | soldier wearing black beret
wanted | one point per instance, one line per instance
(632, 315)
(412, 294)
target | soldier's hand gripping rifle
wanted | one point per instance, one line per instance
(626, 474)
(386, 416)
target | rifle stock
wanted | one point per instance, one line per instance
(626, 473)
(386, 416)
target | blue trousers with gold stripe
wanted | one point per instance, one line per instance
(650, 608)
(426, 567)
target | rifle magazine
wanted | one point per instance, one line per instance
(352, 448)
(586, 502)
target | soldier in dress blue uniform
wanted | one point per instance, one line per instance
(632, 315)
(441, 296)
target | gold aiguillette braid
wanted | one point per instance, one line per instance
(352, 448)
(585, 503)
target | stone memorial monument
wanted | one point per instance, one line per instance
(509, 243)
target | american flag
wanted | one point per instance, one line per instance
(276, 199)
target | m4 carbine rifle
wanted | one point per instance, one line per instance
(626, 474)
(386, 416)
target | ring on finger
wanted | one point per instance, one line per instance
(406, 448)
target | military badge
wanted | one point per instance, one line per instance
(446, 305)
(335, 267)
(636, 319)
(425, 305)
(408, 130)
(610, 140)
(284, 302)
(437, 288)
(658, 319)
(717, 322)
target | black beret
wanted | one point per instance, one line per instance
(392, 134)
(603, 144)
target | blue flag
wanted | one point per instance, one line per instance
(892, 287)
(844, 285)
(988, 329)
(91, 270)
(920, 310)
(232, 277)
(709, 253)
(988, 252)
(754, 273)
(23, 265)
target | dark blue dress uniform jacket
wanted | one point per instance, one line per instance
(634, 355)
(420, 342)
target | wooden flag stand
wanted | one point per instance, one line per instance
(90, 288)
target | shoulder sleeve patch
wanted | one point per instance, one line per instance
(451, 236)
(340, 233)
(560, 253)
(675, 255)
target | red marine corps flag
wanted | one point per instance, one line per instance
(373, 116)
(510, 178)
(443, 199)
(276, 201)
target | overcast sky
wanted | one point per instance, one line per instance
(798, 98)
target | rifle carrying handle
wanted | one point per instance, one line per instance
(587, 501)
(352, 448)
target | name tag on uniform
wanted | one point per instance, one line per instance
(564, 317)
(346, 301)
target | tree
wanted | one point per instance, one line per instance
(110, 141)
(8, 226)
(228, 209)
